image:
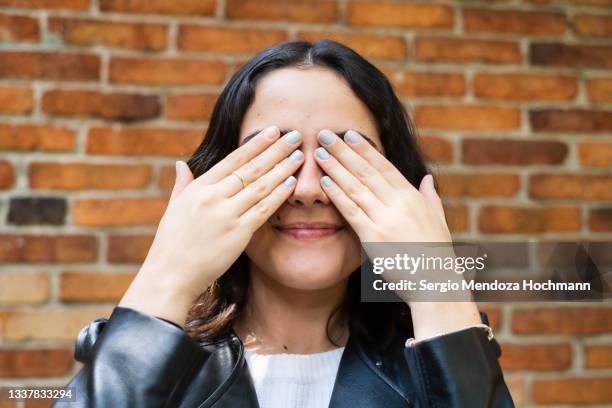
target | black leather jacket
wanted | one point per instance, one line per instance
(134, 359)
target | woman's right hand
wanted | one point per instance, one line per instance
(210, 220)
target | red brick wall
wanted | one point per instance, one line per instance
(98, 98)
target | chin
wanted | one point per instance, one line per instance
(308, 274)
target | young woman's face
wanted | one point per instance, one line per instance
(307, 257)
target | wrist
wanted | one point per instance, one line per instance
(430, 319)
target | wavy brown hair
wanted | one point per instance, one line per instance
(213, 313)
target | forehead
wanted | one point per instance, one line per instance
(308, 100)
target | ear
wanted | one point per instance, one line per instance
(428, 190)
(182, 180)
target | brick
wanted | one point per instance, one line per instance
(28, 362)
(164, 7)
(190, 106)
(377, 46)
(16, 99)
(395, 14)
(599, 89)
(594, 390)
(76, 286)
(105, 105)
(467, 117)
(48, 4)
(48, 323)
(600, 219)
(128, 248)
(525, 87)
(415, 84)
(48, 248)
(227, 39)
(576, 186)
(513, 151)
(168, 71)
(167, 176)
(598, 356)
(513, 22)
(570, 55)
(90, 32)
(460, 50)
(597, 154)
(576, 120)
(562, 320)
(18, 28)
(82, 176)
(526, 220)
(304, 11)
(536, 357)
(36, 211)
(30, 137)
(435, 148)
(118, 211)
(457, 217)
(478, 185)
(143, 141)
(7, 175)
(593, 26)
(24, 287)
(49, 65)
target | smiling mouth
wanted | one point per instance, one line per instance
(308, 232)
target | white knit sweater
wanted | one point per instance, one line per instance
(294, 380)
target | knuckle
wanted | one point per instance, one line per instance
(262, 209)
(352, 210)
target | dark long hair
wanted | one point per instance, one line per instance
(213, 313)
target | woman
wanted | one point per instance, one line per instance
(308, 154)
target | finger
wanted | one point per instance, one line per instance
(183, 178)
(240, 156)
(352, 212)
(376, 159)
(261, 164)
(356, 165)
(258, 214)
(354, 189)
(428, 190)
(260, 188)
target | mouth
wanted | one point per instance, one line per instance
(309, 231)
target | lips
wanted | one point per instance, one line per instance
(309, 231)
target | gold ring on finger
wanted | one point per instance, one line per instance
(244, 183)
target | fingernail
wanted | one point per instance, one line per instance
(327, 137)
(271, 132)
(292, 137)
(322, 153)
(352, 137)
(326, 181)
(177, 165)
(290, 181)
(296, 156)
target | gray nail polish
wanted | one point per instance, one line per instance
(327, 182)
(326, 137)
(296, 156)
(292, 137)
(352, 137)
(322, 153)
(290, 181)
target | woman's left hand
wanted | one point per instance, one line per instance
(383, 206)
(375, 198)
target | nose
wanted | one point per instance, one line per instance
(308, 190)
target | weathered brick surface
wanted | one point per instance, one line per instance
(511, 101)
